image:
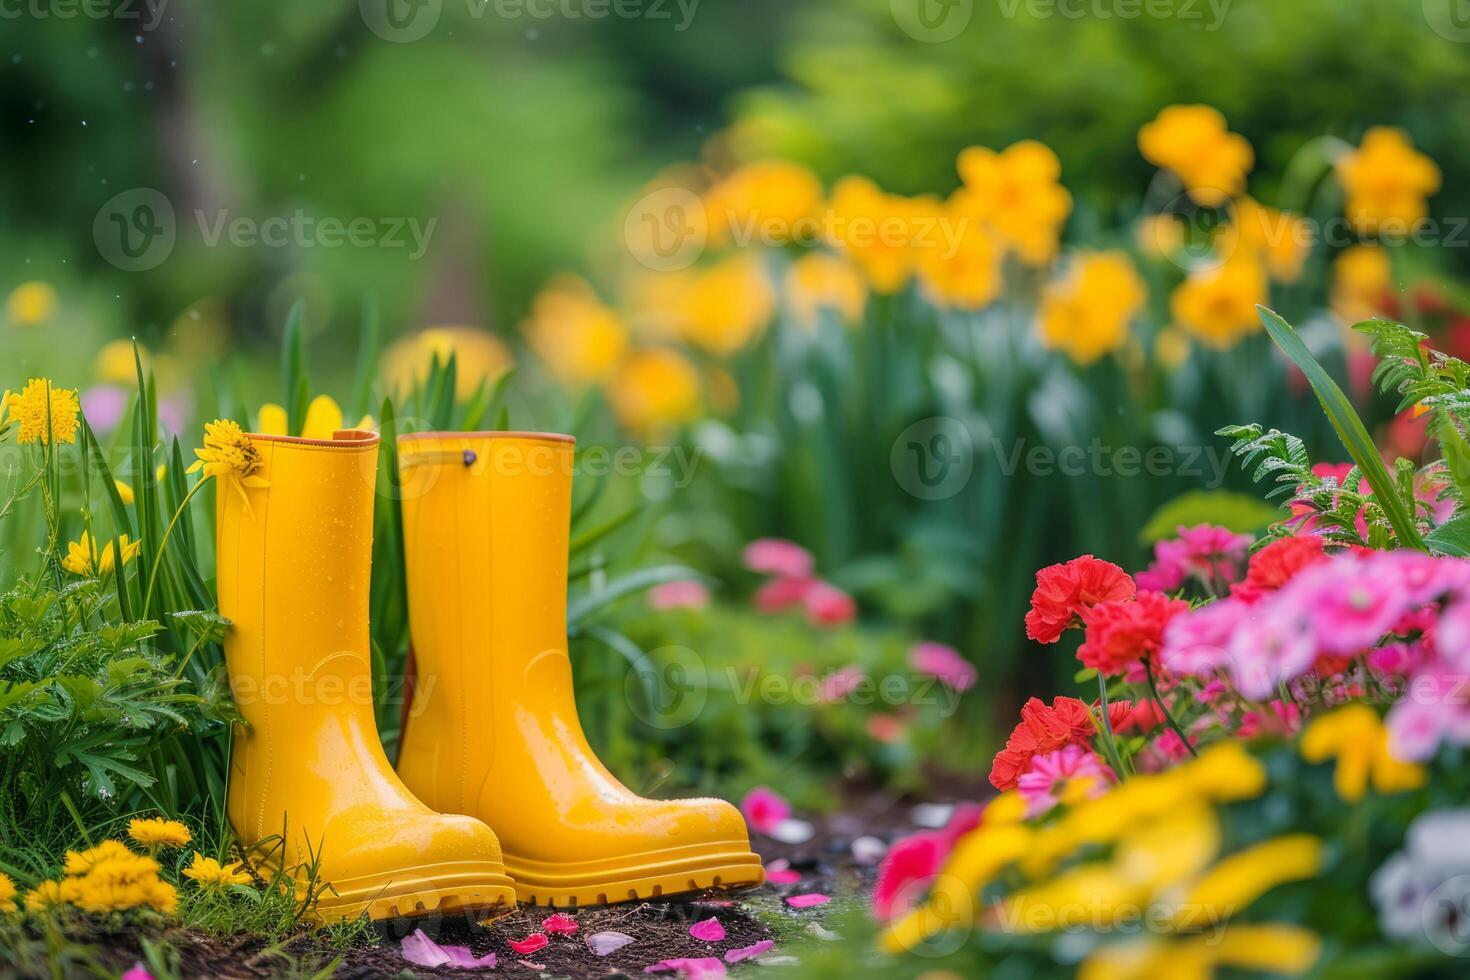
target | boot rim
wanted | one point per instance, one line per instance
(341, 439)
(523, 435)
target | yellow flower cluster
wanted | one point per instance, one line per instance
(42, 411)
(1217, 303)
(1386, 181)
(106, 878)
(770, 199)
(1194, 142)
(1086, 312)
(1018, 194)
(82, 557)
(1164, 866)
(7, 894)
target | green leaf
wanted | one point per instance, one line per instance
(1349, 427)
(626, 585)
(295, 387)
(1239, 512)
(1451, 538)
(211, 627)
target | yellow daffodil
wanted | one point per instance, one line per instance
(1218, 305)
(876, 230)
(1356, 737)
(960, 264)
(655, 388)
(728, 304)
(1194, 142)
(124, 491)
(822, 281)
(1086, 312)
(1362, 283)
(44, 411)
(156, 832)
(7, 894)
(479, 357)
(210, 874)
(323, 417)
(578, 338)
(762, 203)
(46, 895)
(1017, 193)
(82, 557)
(31, 303)
(1280, 240)
(229, 456)
(1386, 181)
(271, 420)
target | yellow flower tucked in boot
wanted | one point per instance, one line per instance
(822, 281)
(43, 411)
(1356, 737)
(1218, 305)
(31, 303)
(763, 203)
(1018, 193)
(578, 338)
(156, 832)
(210, 874)
(7, 894)
(655, 388)
(1386, 181)
(1194, 143)
(1086, 312)
(229, 456)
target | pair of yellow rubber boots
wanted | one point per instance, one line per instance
(493, 739)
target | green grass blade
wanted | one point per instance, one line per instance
(295, 387)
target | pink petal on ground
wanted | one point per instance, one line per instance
(533, 942)
(783, 877)
(558, 924)
(604, 943)
(708, 930)
(138, 972)
(694, 969)
(807, 901)
(420, 950)
(764, 809)
(746, 952)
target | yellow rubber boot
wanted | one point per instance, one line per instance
(493, 729)
(294, 561)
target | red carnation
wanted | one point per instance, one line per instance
(1128, 717)
(1042, 729)
(1065, 592)
(1120, 634)
(1276, 564)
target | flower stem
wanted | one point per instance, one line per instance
(1153, 686)
(163, 545)
(1110, 742)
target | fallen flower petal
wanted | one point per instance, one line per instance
(420, 950)
(138, 972)
(604, 943)
(559, 924)
(746, 952)
(708, 930)
(807, 901)
(694, 969)
(783, 877)
(533, 942)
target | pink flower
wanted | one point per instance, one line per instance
(837, 685)
(1278, 718)
(1352, 602)
(1274, 643)
(1055, 775)
(104, 407)
(906, 872)
(1171, 747)
(1213, 555)
(885, 728)
(764, 809)
(781, 594)
(684, 594)
(945, 663)
(1197, 642)
(779, 557)
(827, 605)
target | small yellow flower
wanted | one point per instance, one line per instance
(115, 362)
(157, 832)
(727, 305)
(83, 862)
(1087, 312)
(1280, 240)
(577, 337)
(229, 456)
(31, 303)
(46, 895)
(44, 410)
(656, 387)
(1387, 181)
(1356, 737)
(124, 491)
(823, 281)
(7, 894)
(1194, 142)
(877, 231)
(210, 874)
(762, 203)
(1018, 194)
(82, 557)
(1218, 305)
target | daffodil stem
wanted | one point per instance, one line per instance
(163, 545)
(1153, 687)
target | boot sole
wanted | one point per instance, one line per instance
(450, 890)
(656, 875)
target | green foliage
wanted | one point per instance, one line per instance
(1239, 512)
